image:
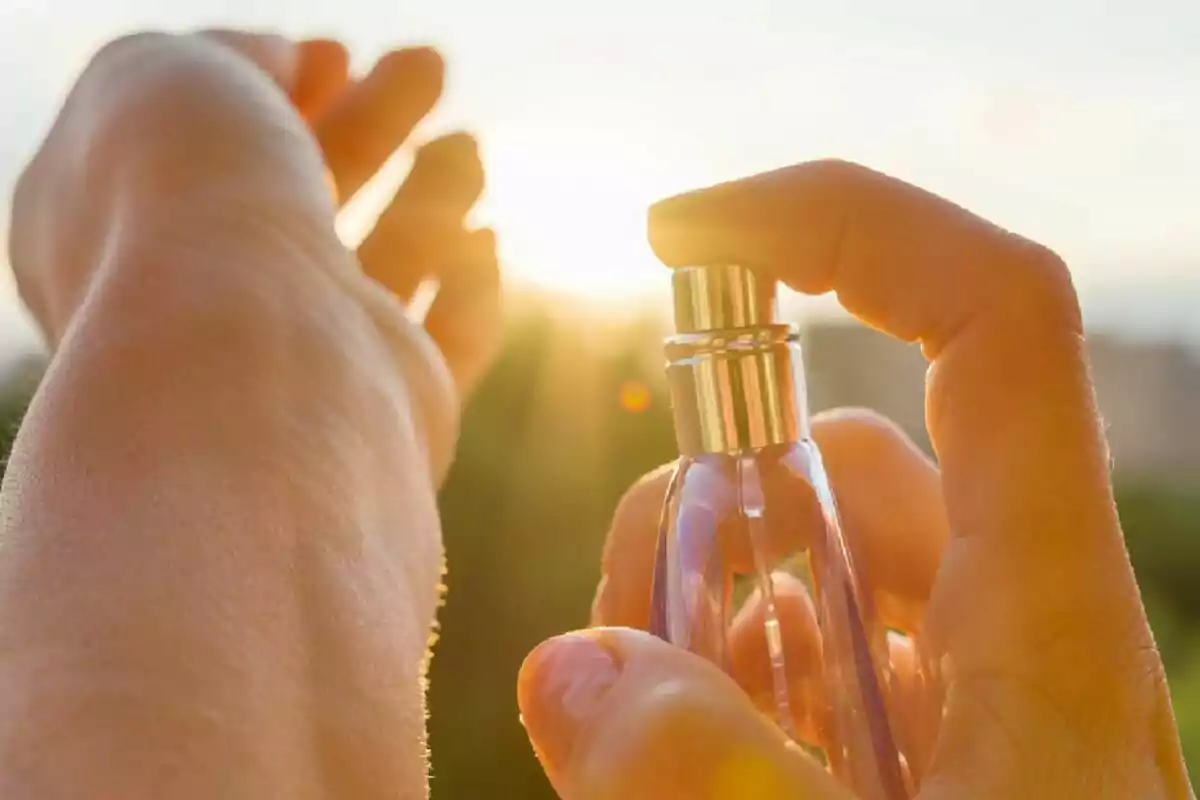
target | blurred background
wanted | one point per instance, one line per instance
(1072, 123)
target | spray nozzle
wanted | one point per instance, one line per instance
(721, 297)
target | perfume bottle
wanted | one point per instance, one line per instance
(750, 512)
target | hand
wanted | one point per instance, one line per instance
(1009, 561)
(222, 557)
(164, 129)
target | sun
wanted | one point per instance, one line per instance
(568, 203)
(569, 207)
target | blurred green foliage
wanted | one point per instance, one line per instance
(546, 451)
(12, 409)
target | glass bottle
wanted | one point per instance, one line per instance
(750, 509)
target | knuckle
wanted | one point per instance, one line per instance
(1041, 282)
(117, 53)
(119, 79)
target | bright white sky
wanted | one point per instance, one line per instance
(1075, 122)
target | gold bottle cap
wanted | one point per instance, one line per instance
(722, 297)
(734, 373)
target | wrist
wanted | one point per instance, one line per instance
(159, 128)
(271, 288)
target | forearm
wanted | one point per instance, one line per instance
(218, 516)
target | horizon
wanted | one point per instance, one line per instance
(1154, 312)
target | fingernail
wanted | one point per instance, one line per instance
(562, 687)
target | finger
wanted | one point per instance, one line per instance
(371, 119)
(889, 497)
(619, 714)
(627, 563)
(465, 320)
(914, 700)
(893, 514)
(1010, 405)
(751, 663)
(423, 224)
(323, 74)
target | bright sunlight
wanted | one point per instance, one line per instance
(570, 208)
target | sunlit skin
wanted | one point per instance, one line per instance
(1009, 561)
(222, 558)
(222, 555)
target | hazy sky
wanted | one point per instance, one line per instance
(1074, 122)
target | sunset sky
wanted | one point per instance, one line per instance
(1073, 122)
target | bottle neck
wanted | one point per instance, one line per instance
(736, 391)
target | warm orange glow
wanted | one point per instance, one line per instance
(569, 206)
(635, 397)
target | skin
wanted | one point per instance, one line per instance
(221, 558)
(1006, 559)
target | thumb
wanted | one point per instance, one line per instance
(616, 713)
